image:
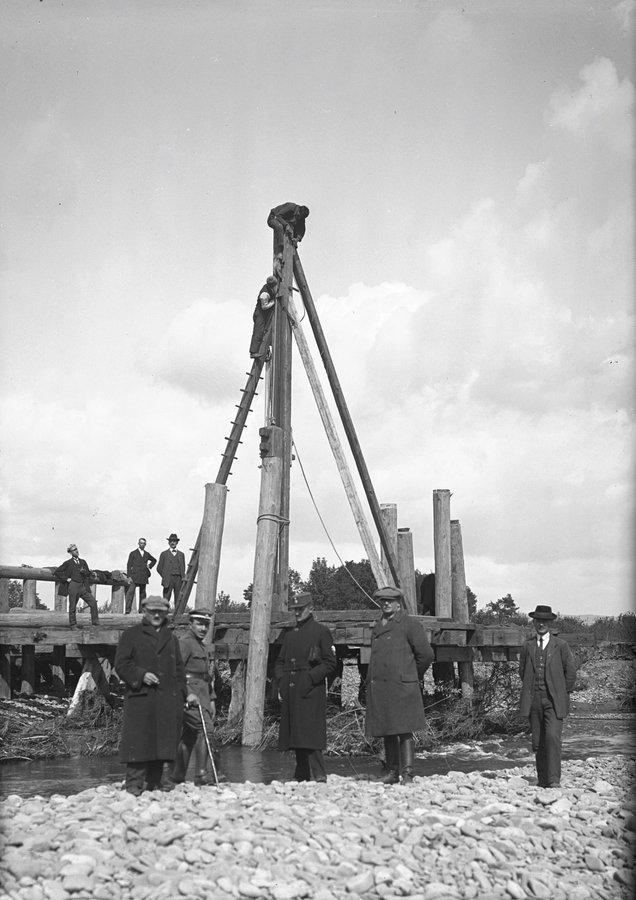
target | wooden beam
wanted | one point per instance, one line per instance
(377, 567)
(406, 565)
(264, 562)
(347, 421)
(210, 549)
(441, 541)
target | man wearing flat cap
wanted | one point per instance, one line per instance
(148, 661)
(171, 568)
(75, 574)
(548, 673)
(198, 660)
(400, 654)
(307, 657)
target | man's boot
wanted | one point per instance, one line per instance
(392, 760)
(407, 753)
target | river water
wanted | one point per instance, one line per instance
(582, 737)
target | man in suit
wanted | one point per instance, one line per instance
(548, 673)
(171, 567)
(76, 575)
(140, 562)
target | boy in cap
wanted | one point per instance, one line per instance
(74, 572)
(548, 673)
(400, 654)
(149, 663)
(198, 660)
(307, 657)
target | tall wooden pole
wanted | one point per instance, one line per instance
(406, 564)
(388, 514)
(377, 567)
(441, 542)
(210, 549)
(282, 379)
(345, 416)
(264, 563)
(460, 602)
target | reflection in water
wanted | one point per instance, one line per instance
(581, 738)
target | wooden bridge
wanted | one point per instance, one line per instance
(28, 634)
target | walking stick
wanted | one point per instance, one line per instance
(207, 744)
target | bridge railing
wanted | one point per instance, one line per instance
(30, 575)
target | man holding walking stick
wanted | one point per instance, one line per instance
(198, 718)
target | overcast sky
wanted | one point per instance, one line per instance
(469, 172)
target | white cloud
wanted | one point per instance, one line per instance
(601, 110)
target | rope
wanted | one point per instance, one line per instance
(322, 522)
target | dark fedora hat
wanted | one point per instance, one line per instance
(173, 537)
(300, 601)
(543, 612)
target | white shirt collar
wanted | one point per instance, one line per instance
(546, 638)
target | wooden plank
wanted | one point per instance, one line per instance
(453, 654)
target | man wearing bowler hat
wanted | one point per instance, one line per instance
(400, 654)
(171, 568)
(307, 657)
(149, 663)
(548, 672)
(198, 660)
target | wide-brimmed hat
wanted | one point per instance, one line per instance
(71, 547)
(388, 593)
(543, 612)
(300, 601)
(173, 537)
(202, 612)
(155, 603)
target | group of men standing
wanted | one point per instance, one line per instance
(75, 577)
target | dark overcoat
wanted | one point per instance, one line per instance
(400, 654)
(152, 713)
(560, 674)
(302, 686)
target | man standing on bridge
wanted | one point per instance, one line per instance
(140, 562)
(171, 567)
(74, 573)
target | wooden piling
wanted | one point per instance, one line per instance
(406, 569)
(269, 520)
(388, 513)
(460, 603)
(442, 549)
(27, 672)
(117, 598)
(210, 548)
(5, 672)
(58, 669)
(29, 594)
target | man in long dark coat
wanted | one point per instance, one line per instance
(548, 673)
(307, 657)
(400, 654)
(148, 661)
(140, 562)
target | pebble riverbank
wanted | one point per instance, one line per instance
(452, 837)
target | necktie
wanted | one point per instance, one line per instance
(541, 642)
